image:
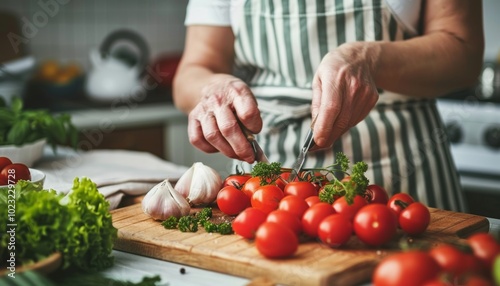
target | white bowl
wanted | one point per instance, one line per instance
(37, 177)
(27, 154)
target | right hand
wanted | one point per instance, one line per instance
(213, 123)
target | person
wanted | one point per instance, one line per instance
(368, 71)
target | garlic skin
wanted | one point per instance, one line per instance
(200, 184)
(163, 201)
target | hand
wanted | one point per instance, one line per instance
(344, 91)
(213, 123)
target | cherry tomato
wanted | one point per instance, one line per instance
(232, 201)
(335, 230)
(248, 221)
(414, 219)
(287, 219)
(375, 194)
(301, 189)
(294, 205)
(312, 200)
(449, 258)
(410, 268)
(273, 240)
(375, 224)
(12, 173)
(485, 247)
(4, 161)
(313, 217)
(395, 206)
(236, 180)
(267, 198)
(250, 186)
(341, 206)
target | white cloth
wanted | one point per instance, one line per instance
(115, 172)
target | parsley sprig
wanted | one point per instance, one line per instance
(190, 223)
(267, 172)
(337, 188)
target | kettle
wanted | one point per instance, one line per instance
(117, 66)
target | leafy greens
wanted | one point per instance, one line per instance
(78, 225)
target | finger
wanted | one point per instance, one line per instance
(232, 132)
(246, 108)
(331, 104)
(212, 133)
(196, 138)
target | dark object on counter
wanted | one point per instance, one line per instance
(12, 43)
(165, 66)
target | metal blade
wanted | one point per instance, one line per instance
(259, 153)
(297, 166)
(257, 150)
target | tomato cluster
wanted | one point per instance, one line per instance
(470, 263)
(11, 172)
(280, 211)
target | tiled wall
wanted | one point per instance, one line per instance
(79, 26)
(68, 31)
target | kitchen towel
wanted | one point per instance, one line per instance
(115, 172)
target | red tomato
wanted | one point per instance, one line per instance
(341, 206)
(395, 206)
(267, 198)
(4, 161)
(287, 219)
(236, 180)
(232, 201)
(12, 173)
(313, 217)
(414, 219)
(411, 268)
(335, 230)
(301, 189)
(273, 240)
(248, 221)
(485, 247)
(477, 280)
(294, 205)
(250, 186)
(449, 258)
(312, 200)
(375, 194)
(375, 224)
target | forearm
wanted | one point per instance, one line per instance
(446, 57)
(427, 66)
(208, 53)
(188, 83)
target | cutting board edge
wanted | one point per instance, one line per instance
(238, 269)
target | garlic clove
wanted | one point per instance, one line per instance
(200, 184)
(163, 201)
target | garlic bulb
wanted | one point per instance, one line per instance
(163, 201)
(200, 184)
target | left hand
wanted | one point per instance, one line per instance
(344, 92)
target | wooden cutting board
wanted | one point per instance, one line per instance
(313, 264)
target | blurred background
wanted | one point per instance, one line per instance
(113, 61)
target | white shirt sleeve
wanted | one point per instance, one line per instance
(208, 12)
(407, 13)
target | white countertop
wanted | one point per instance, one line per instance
(131, 267)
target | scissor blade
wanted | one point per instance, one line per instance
(297, 166)
(259, 153)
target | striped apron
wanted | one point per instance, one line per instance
(279, 45)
